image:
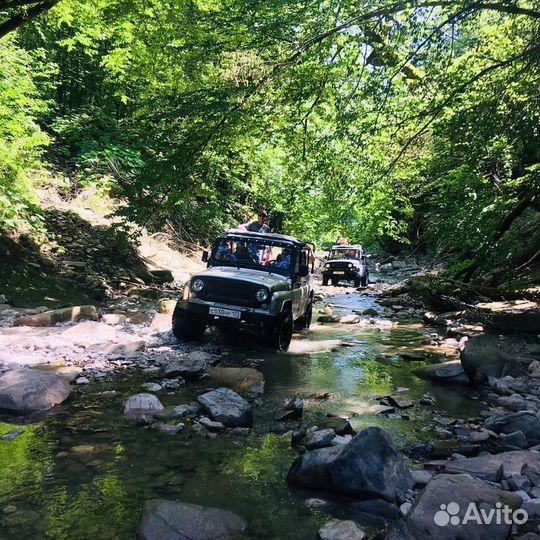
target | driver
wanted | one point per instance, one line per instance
(284, 259)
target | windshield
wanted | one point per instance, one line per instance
(253, 254)
(344, 254)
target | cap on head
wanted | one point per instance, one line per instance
(263, 213)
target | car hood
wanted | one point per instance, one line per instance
(353, 261)
(275, 282)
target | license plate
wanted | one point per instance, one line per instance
(340, 273)
(231, 313)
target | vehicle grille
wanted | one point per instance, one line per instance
(339, 266)
(228, 291)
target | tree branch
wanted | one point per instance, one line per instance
(24, 16)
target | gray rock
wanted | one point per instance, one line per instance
(514, 440)
(142, 403)
(12, 435)
(446, 372)
(211, 425)
(82, 380)
(227, 407)
(405, 508)
(319, 439)
(27, 390)
(294, 409)
(532, 507)
(50, 318)
(114, 319)
(489, 355)
(191, 367)
(161, 322)
(525, 421)
(89, 333)
(119, 348)
(152, 386)
(336, 529)
(172, 520)
(173, 411)
(460, 489)
(509, 316)
(493, 468)
(247, 380)
(519, 483)
(532, 472)
(170, 429)
(341, 439)
(421, 477)
(368, 466)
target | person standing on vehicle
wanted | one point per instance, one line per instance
(259, 226)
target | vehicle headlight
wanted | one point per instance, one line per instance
(350, 265)
(327, 265)
(197, 285)
(261, 295)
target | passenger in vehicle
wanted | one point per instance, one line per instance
(242, 254)
(284, 259)
(259, 226)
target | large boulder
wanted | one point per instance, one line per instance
(174, 520)
(367, 466)
(227, 407)
(27, 390)
(50, 318)
(525, 421)
(429, 518)
(493, 468)
(508, 316)
(444, 372)
(492, 356)
(240, 379)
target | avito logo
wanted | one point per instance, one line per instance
(449, 514)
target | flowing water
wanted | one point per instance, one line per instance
(84, 472)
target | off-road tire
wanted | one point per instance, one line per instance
(279, 335)
(357, 282)
(188, 326)
(365, 280)
(334, 282)
(325, 281)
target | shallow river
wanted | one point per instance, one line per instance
(85, 472)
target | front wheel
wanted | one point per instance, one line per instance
(357, 282)
(334, 282)
(188, 326)
(325, 281)
(365, 280)
(280, 334)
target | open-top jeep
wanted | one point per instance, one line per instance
(261, 280)
(346, 263)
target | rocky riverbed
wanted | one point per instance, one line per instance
(375, 418)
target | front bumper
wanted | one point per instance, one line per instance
(249, 315)
(341, 274)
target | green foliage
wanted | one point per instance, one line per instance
(382, 122)
(21, 139)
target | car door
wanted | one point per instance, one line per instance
(299, 286)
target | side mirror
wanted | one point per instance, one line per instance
(204, 256)
(303, 271)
